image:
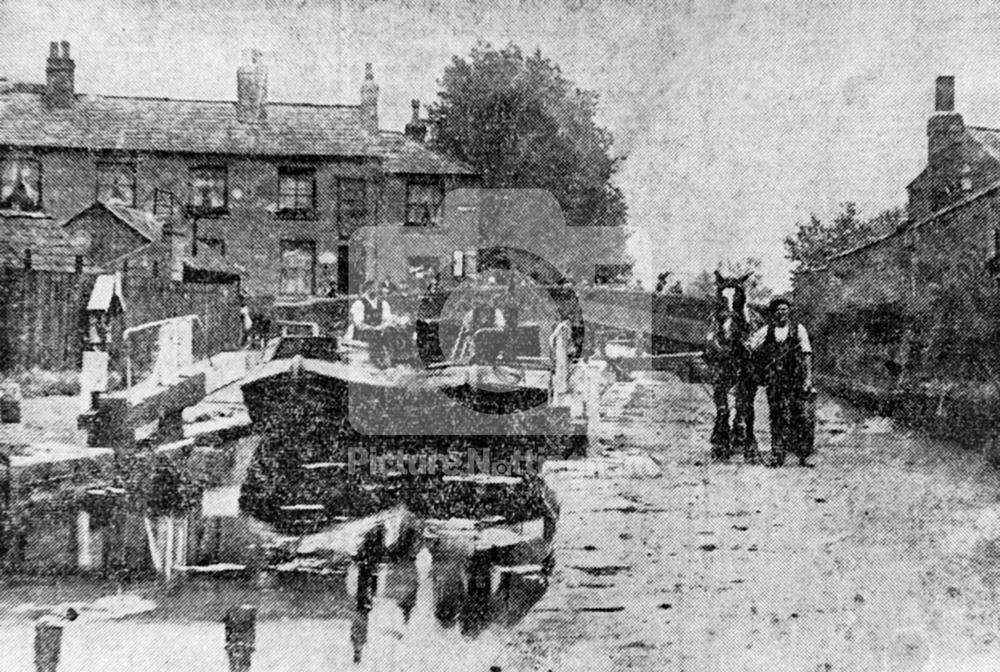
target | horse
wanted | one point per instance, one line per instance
(730, 363)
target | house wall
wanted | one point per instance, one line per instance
(957, 165)
(252, 231)
(958, 243)
(871, 276)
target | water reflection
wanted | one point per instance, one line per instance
(413, 594)
(431, 604)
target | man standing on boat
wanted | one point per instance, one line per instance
(370, 311)
(483, 318)
(370, 314)
(783, 357)
(247, 322)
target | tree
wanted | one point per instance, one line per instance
(814, 242)
(521, 123)
(703, 284)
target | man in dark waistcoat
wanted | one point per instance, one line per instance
(783, 358)
(370, 315)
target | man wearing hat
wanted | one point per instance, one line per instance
(783, 359)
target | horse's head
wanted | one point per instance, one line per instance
(731, 304)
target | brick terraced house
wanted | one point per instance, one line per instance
(275, 189)
(885, 290)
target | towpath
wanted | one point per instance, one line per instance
(885, 556)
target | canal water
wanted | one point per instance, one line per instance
(429, 603)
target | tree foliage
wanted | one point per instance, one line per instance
(522, 124)
(815, 241)
(703, 284)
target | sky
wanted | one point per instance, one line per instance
(736, 120)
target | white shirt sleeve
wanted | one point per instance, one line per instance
(386, 311)
(499, 319)
(757, 339)
(804, 340)
(358, 313)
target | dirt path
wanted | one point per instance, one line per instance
(886, 556)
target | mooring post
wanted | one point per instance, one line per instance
(241, 626)
(48, 643)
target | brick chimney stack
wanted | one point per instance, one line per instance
(59, 74)
(416, 129)
(251, 89)
(944, 94)
(945, 128)
(369, 102)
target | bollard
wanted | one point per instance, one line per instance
(48, 642)
(241, 623)
(10, 403)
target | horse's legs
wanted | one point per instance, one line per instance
(720, 433)
(743, 424)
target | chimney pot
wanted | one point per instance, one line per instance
(416, 129)
(59, 77)
(251, 88)
(945, 127)
(369, 102)
(944, 98)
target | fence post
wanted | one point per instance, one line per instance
(241, 624)
(48, 643)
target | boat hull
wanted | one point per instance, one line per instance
(327, 416)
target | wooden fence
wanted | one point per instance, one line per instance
(43, 320)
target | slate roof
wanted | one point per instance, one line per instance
(989, 189)
(208, 127)
(210, 267)
(51, 249)
(989, 138)
(400, 154)
(142, 222)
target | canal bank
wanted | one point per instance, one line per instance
(943, 410)
(882, 557)
(459, 583)
(71, 505)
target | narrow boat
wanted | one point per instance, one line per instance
(346, 437)
(319, 394)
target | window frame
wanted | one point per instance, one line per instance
(295, 212)
(345, 215)
(286, 244)
(212, 243)
(167, 196)
(15, 157)
(204, 210)
(111, 163)
(435, 217)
